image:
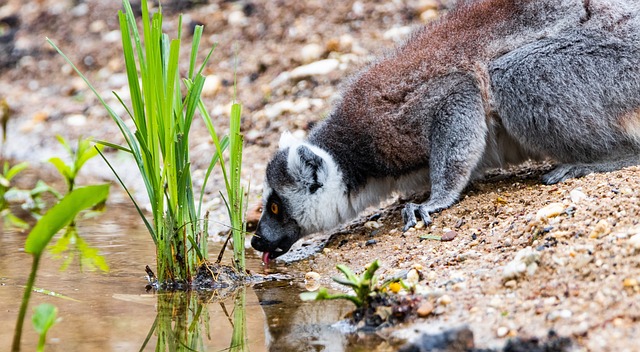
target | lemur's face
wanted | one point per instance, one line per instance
(277, 230)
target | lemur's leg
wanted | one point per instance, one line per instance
(458, 138)
(565, 171)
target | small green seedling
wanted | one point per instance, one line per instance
(8, 173)
(44, 317)
(364, 286)
(89, 256)
(84, 151)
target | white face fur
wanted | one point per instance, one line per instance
(323, 209)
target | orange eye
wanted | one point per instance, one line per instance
(274, 208)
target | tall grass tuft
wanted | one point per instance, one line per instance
(160, 143)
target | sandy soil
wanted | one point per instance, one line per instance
(526, 258)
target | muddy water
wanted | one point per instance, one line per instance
(112, 312)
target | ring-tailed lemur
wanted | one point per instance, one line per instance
(494, 82)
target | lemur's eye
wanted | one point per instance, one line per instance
(274, 208)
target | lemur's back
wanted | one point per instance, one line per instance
(386, 110)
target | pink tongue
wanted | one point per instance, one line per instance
(265, 258)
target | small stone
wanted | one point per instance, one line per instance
(372, 225)
(311, 281)
(424, 5)
(212, 85)
(502, 331)
(630, 282)
(318, 68)
(559, 314)
(326, 250)
(550, 211)
(425, 309)
(312, 275)
(449, 236)
(444, 300)
(272, 111)
(97, 26)
(76, 120)
(397, 34)
(511, 284)
(525, 261)
(634, 241)
(413, 277)
(419, 225)
(311, 52)
(577, 195)
(601, 229)
(428, 15)
(237, 18)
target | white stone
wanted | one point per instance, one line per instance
(211, 85)
(311, 52)
(525, 261)
(634, 241)
(318, 68)
(577, 195)
(550, 211)
(397, 34)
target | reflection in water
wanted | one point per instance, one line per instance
(112, 311)
(183, 320)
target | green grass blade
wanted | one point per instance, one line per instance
(152, 232)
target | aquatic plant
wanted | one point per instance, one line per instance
(44, 316)
(160, 145)
(8, 173)
(54, 220)
(364, 286)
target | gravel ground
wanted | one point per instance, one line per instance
(525, 258)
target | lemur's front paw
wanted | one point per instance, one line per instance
(565, 171)
(409, 215)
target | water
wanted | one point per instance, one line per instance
(113, 312)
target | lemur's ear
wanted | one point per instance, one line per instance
(308, 168)
(287, 140)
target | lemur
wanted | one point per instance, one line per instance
(492, 83)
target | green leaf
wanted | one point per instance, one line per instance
(62, 167)
(61, 214)
(348, 273)
(16, 169)
(85, 153)
(310, 296)
(371, 269)
(345, 282)
(44, 316)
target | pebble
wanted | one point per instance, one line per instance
(550, 211)
(525, 261)
(318, 68)
(419, 225)
(397, 34)
(413, 277)
(449, 235)
(502, 331)
(237, 18)
(429, 15)
(311, 52)
(630, 282)
(577, 195)
(425, 309)
(601, 229)
(76, 120)
(559, 314)
(444, 300)
(212, 85)
(634, 242)
(372, 225)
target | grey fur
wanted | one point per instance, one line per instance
(494, 83)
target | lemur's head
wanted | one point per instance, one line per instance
(303, 193)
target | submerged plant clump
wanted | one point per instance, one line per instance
(163, 106)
